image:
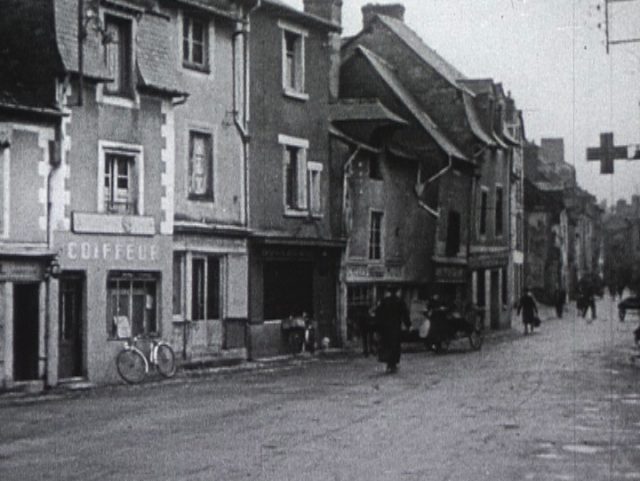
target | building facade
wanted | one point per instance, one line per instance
(295, 245)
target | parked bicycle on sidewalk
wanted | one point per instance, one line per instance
(132, 363)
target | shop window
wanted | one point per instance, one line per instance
(119, 185)
(453, 234)
(375, 236)
(288, 289)
(178, 279)
(499, 211)
(118, 53)
(293, 61)
(505, 300)
(132, 304)
(205, 288)
(200, 166)
(195, 43)
(484, 199)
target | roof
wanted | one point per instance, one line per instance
(155, 63)
(426, 53)
(385, 72)
(362, 110)
(474, 122)
(478, 86)
(222, 8)
(301, 16)
(153, 50)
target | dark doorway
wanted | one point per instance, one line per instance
(288, 289)
(26, 301)
(70, 328)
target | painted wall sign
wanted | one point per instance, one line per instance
(111, 251)
(18, 271)
(88, 223)
(450, 274)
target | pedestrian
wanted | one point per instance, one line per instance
(527, 305)
(366, 326)
(561, 297)
(390, 314)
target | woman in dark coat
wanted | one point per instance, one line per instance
(529, 310)
(390, 314)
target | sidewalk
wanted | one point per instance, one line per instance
(65, 390)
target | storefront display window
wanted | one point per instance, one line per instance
(132, 296)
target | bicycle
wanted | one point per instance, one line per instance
(133, 365)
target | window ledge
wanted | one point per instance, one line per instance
(118, 100)
(295, 94)
(301, 214)
(194, 67)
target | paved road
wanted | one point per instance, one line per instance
(562, 404)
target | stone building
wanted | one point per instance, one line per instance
(295, 244)
(468, 115)
(109, 192)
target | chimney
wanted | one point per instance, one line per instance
(328, 9)
(370, 10)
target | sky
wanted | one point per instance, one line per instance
(551, 56)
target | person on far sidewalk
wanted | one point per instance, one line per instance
(529, 308)
(561, 297)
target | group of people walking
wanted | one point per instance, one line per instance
(381, 329)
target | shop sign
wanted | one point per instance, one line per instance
(450, 274)
(286, 252)
(17, 271)
(373, 272)
(111, 251)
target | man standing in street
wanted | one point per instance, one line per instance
(390, 314)
(561, 297)
(529, 310)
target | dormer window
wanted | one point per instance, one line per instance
(195, 43)
(118, 56)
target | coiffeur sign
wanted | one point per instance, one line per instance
(111, 251)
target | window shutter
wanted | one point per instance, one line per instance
(302, 179)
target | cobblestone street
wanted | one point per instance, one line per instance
(562, 404)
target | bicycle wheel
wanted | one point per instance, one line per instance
(165, 360)
(131, 366)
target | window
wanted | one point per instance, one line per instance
(374, 167)
(131, 300)
(302, 179)
(505, 300)
(483, 211)
(375, 236)
(519, 227)
(293, 68)
(178, 279)
(200, 166)
(499, 211)
(315, 198)
(295, 178)
(194, 43)
(119, 191)
(117, 54)
(205, 288)
(360, 296)
(453, 234)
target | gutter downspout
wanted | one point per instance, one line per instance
(345, 176)
(241, 119)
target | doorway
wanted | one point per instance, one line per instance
(70, 343)
(495, 299)
(26, 301)
(288, 289)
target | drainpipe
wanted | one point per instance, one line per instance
(241, 119)
(345, 177)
